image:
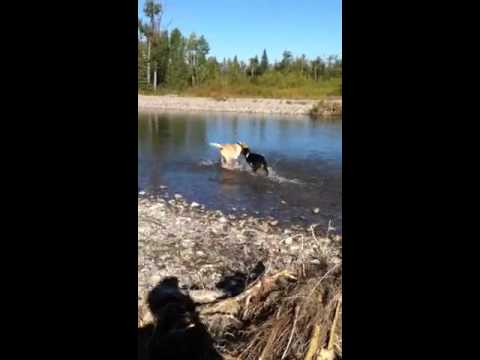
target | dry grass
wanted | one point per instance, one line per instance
(283, 325)
(326, 109)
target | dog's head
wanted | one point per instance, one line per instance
(243, 145)
(245, 148)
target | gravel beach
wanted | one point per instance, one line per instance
(199, 246)
(244, 105)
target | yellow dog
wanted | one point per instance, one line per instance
(229, 152)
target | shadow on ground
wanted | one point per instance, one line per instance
(178, 333)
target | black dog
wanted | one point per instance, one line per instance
(256, 161)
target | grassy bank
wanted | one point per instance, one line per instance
(263, 88)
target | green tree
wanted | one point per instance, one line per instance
(177, 70)
(160, 56)
(286, 62)
(151, 10)
(264, 62)
(197, 50)
(253, 67)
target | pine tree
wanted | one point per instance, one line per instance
(264, 62)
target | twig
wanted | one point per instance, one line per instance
(313, 233)
(291, 334)
(323, 277)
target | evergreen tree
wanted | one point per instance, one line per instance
(264, 62)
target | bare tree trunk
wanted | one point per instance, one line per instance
(148, 59)
(193, 70)
(155, 80)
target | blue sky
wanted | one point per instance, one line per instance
(245, 28)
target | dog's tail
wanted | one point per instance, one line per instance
(216, 145)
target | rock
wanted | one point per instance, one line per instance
(283, 202)
(316, 210)
(155, 279)
(194, 204)
(288, 241)
(274, 223)
(178, 196)
(141, 193)
(222, 219)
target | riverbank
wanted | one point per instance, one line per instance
(242, 105)
(210, 252)
(195, 244)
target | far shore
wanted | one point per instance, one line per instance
(240, 105)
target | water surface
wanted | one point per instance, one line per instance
(305, 157)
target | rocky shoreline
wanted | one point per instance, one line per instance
(201, 246)
(242, 105)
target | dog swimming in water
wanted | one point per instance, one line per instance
(256, 161)
(229, 153)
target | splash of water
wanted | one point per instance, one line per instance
(207, 163)
(273, 176)
(242, 165)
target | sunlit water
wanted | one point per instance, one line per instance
(304, 157)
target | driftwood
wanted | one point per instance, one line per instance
(228, 312)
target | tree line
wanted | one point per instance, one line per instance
(173, 60)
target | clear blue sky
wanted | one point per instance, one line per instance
(245, 28)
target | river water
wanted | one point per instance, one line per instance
(304, 156)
